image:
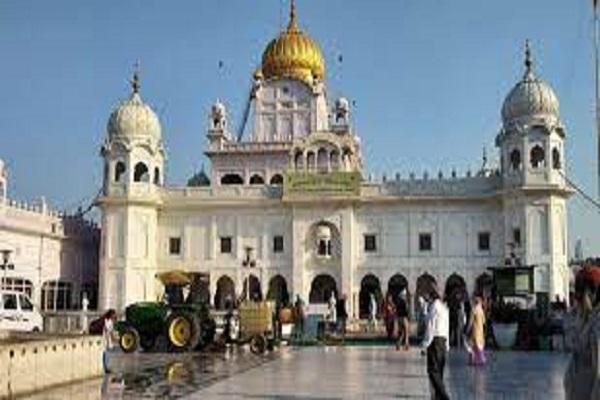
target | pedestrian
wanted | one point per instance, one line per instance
(342, 315)
(477, 334)
(421, 314)
(436, 343)
(299, 317)
(403, 326)
(108, 336)
(373, 312)
(331, 313)
(389, 316)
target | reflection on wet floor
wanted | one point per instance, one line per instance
(160, 375)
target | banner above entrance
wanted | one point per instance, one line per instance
(336, 184)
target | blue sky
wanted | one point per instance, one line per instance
(428, 78)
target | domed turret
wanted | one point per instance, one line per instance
(293, 54)
(530, 98)
(133, 117)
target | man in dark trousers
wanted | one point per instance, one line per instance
(403, 326)
(436, 343)
(342, 315)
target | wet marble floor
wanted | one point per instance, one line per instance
(320, 373)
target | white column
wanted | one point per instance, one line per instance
(348, 257)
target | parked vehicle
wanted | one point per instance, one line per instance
(255, 324)
(17, 313)
(178, 322)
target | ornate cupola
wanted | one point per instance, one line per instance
(530, 99)
(532, 137)
(133, 149)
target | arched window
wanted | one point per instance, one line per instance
(515, 160)
(276, 179)
(299, 160)
(556, 164)
(140, 173)
(17, 284)
(334, 160)
(322, 160)
(310, 161)
(57, 295)
(156, 176)
(537, 156)
(119, 171)
(231, 179)
(257, 180)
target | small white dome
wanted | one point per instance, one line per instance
(218, 109)
(342, 103)
(133, 117)
(531, 97)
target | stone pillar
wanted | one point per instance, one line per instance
(298, 234)
(348, 258)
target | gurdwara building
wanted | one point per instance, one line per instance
(286, 210)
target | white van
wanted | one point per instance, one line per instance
(17, 313)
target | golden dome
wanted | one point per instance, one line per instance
(293, 54)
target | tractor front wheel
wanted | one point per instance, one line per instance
(129, 340)
(183, 331)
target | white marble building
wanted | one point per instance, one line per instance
(53, 256)
(292, 190)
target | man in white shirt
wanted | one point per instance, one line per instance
(436, 344)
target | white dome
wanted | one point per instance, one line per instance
(134, 118)
(531, 97)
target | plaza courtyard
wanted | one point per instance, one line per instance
(325, 373)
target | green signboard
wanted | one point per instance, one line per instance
(321, 184)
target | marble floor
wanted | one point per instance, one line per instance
(320, 373)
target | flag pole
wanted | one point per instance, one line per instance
(597, 84)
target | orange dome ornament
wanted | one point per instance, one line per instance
(293, 55)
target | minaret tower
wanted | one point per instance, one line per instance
(531, 144)
(134, 159)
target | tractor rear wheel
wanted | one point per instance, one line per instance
(129, 340)
(183, 331)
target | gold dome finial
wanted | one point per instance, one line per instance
(293, 24)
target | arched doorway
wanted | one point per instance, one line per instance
(396, 284)
(278, 291)
(484, 286)
(455, 289)
(456, 297)
(225, 292)
(368, 286)
(252, 283)
(321, 288)
(425, 284)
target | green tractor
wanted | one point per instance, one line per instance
(179, 322)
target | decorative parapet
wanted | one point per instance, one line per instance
(40, 219)
(334, 184)
(474, 186)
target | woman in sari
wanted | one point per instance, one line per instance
(477, 334)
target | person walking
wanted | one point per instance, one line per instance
(436, 344)
(108, 336)
(332, 313)
(342, 315)
(373, 312)
(389, 316)
(299, 317)
(477, 334)
(403, 326)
